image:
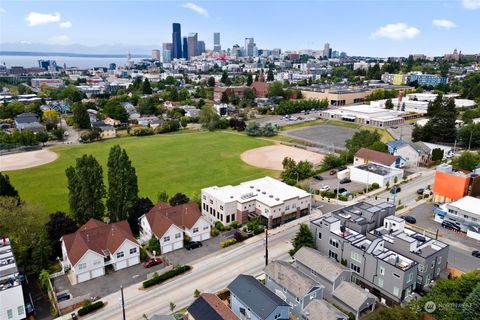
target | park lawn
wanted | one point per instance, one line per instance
(182, 162)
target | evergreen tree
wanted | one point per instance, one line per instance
(389, 104)
(122, 184)
(303, 238)
(6, 188)
(249, 79)
(471, 306)
(270, 75)
(224, 98)
(211, 82)
(177, 199)
(86, 189)
(80, 116)
(146, 88)
(225, 79)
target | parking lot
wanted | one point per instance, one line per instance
(333, 183)
(294, 118)
(323, 134)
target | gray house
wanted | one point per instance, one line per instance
(322, 310)
(354, 299)
(249, 299)
(322, 269)
(290, 284)
(28, 121)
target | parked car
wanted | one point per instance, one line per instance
(318, 177)
(324, 188)
(152, 262)
(332, 172)
(190, 245)
(341, 191)
(410, 219)
(451, 226)
(420, 191)
(476, 253)
(341, 168)
(395, 189)
(345, 180)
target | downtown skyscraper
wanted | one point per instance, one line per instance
(216, 42)
(176, 41)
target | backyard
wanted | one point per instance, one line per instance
(183, 162)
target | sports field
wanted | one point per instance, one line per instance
(184, 162)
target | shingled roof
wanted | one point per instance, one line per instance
(98, 237)
(376, 156)
(162, 216)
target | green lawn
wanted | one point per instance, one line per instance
(184, 162)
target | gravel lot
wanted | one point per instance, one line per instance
(323, 134)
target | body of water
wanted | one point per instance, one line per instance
(79, 62)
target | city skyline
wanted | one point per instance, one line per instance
(383, 29)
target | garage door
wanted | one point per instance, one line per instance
(97, 272)
(121, 264)
(167, 248)
(197, 238)
(83, 277)
(177, 245)
(133, 261)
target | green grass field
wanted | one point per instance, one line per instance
(184, 162)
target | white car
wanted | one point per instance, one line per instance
(324, 188)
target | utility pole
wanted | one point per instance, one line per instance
(123, 303)
(266, 247)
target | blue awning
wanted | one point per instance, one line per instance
(439, 212)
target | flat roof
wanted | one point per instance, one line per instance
(377, 169)
(468, 203)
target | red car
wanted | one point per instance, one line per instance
(152, 262)
(332, 172)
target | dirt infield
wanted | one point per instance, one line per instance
(271, 157)
(25, 160)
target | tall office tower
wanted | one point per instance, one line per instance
(156, 55)
(192, 44)
(276, 51)
(200, 47)
(330, 53)
(167, 52)
(176, 41)
(185, 48)
(249, 47)
(236, 50)
(216, 42)
(50, 65)
(326, 49)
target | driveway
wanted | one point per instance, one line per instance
(107, 284)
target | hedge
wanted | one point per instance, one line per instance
(228, 242)
(90, 308)
(165, 276)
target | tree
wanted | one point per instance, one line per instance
(141, 207)
(224, 98)
(253, 129)
(58, 225)
(209, 118)
(41, 253)
(293, 171)
(42, 136)
(86, 189)
(469, 135)
(6, 188)
(183, 94)
(196, 293)
(361, 139)
(58, 133)
(225, 79)
(249, 79)
(379, 146)
(81, 118)
(389, 104)
(270, 76)
(172, 306)
(154, 245)
(178, 199)
(471, 307)
(115, 110)
(211, 82)
(332, 160)
(122, 184)
(303, 238)
(466, 161)
(51, 118)
(146, 87)
(162, 197)
(276, 89)
(395, 313)
(437, 154)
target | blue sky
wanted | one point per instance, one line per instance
(376, 28)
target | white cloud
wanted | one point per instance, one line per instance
(65, 24)
(395, 31)
(35, 18)
(471, 4)
(2, 10)
(444, 24)
(192, 6)
(60, 40)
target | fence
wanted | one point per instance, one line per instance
(11, 149)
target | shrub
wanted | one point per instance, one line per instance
(374, 186)
(69, 121)
(258, 230)
(143, 255)
(153, 245)
(238, 236)
(227, 228)
(343, 198)
(227, 243)
(214, 232)
(419, 197)
(44, 279)
(141, 131)
(165, 276)
(219, 226)
(235, 224)
(90, 308)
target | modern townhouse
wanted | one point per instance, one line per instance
(430, 254)
(12, 303)
(386, 273)
(170, 224)
(294, 287)
(96, 245)
(250, 299)
(273, 201)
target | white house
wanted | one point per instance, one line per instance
(96, 245)
(375, 173)
(412, 155)
(170, 223)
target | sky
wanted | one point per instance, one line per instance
(358, 27)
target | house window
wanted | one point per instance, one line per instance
(205, 228)
(332, 254)
(133, 250)
(333, 243)
(396, 275)
(382, 271)
(380, 282)
(195, 230)
(166, 238)
(356, 256)
(396, 291)
(20, 310)
(421, 268)
(242, 311)
(82, 266)
(97, 262)
(178, 235)
(319, 235)
(120, 254)
(228, 218)
(410, 277)
(10, 314)
(287, 207)
(433, 264)
(211, 201)
(221, 208)
(355, 268)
